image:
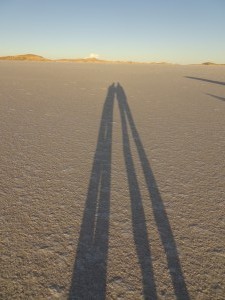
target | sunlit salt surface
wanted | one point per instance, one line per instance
(112, 191)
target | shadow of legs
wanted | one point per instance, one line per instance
(89, 275)
(138, 215)
(160, 215)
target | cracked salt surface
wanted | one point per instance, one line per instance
(137, 188)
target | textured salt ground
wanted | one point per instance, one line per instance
(50, 118)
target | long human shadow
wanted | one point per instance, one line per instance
(216, 97)
(159, 211)
(90, 268)
(89, 273)
(140, 233)
(207, 80)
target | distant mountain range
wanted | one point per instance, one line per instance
(34, 57)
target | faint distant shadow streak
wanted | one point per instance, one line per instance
(217, 97)
(90, 267)
(159, 211)
(207, 80)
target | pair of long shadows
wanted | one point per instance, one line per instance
(89, 277)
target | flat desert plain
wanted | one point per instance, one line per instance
(112, 181)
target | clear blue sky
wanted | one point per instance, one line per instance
(180, 31)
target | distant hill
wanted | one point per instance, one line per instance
(32, 57)
(209, 63)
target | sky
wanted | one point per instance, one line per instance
(176, 31)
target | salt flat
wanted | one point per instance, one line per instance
(112, 191)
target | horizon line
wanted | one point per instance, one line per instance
(36, 57)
